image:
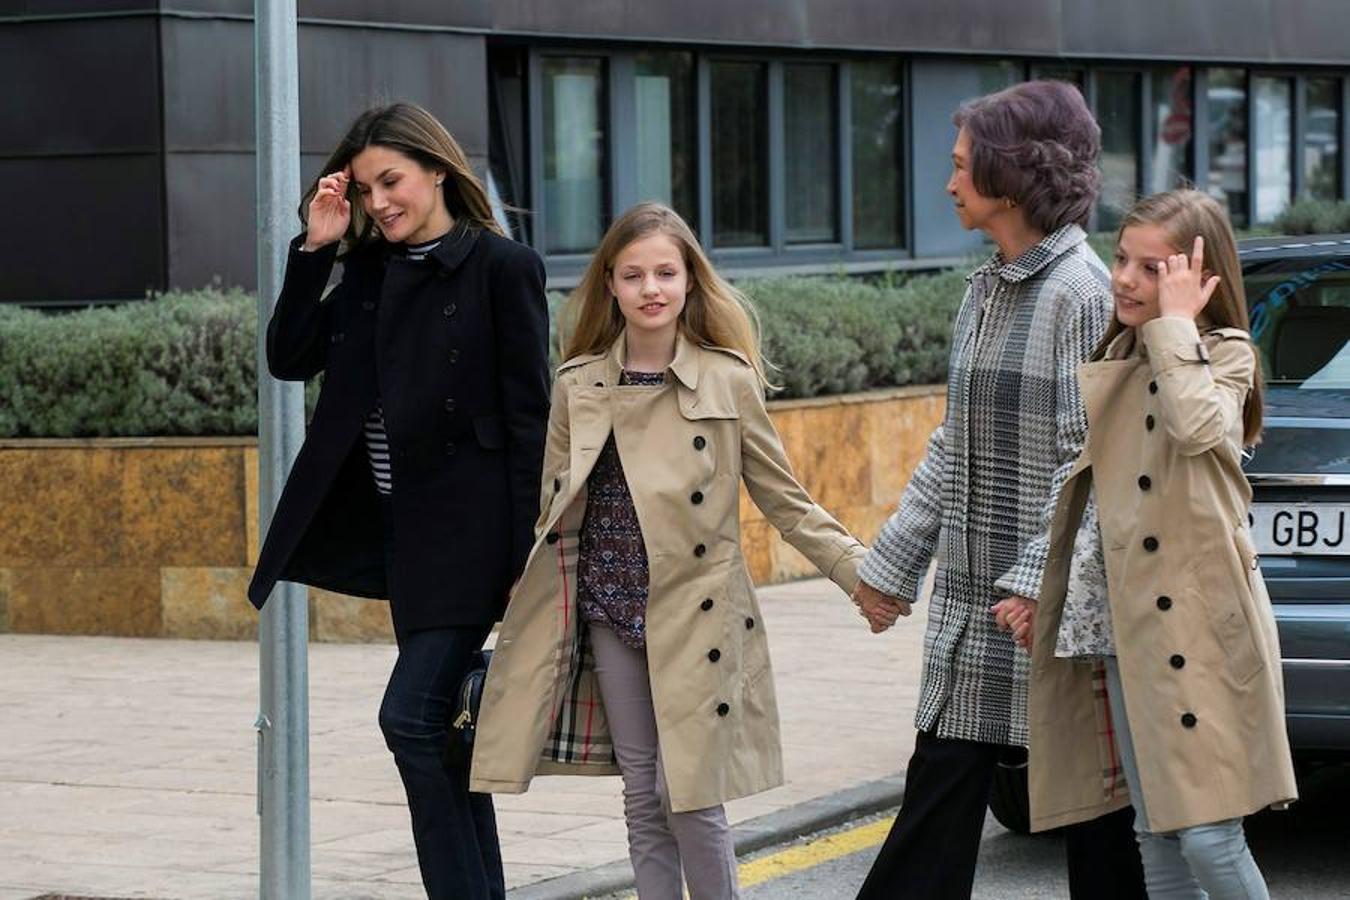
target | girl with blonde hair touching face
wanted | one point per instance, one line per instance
(1154, 588)
(633, 643)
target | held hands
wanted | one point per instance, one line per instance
(880, 610)
(1183, 289)
(329, 211)
(1018, 615)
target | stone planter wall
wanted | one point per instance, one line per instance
(154, 537)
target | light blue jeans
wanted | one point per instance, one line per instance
(1204, 861)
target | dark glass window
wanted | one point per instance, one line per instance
(574, 154)
(877, 115)
(667, 131)
(740, 171)
(1322, 139)
(1273, 145)
(1226, 96)
(1118, 108)
(1173, 129)
(811, 128)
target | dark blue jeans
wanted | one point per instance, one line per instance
(455, 831)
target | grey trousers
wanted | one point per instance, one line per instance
(1204, 861)
(660, 842)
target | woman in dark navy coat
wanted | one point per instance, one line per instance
(419, 477)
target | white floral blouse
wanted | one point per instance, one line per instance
(1085, 624)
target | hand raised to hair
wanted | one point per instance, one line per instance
(329, 211)
(880, 610)
(1183, 289)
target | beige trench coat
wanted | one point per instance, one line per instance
(1195, 635)
(685, 449)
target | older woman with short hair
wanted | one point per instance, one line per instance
(1024, 171)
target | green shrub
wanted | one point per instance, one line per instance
(1314, 217)
(184, 363)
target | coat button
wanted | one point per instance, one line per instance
(450, 404)
(368, 305)
(749, 623)
(1145, 482)
(714, 655)
(699, 442)
(599, 384)
(557, 485)
(1150, 543)
(1188, 720)
(706, 604)
(700, 550)
(551, 537)
(450, 310)
(1177, 661)
(337, 337)
(453, 356)
(1153, 387)
(696, 497)
(1149, 422)
(1164, 603)
(723, 709)
(450, 448)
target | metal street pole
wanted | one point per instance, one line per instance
(283, 715)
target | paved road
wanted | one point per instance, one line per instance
(1304, 853)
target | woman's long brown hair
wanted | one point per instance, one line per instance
(417, 134)
(714, 313)
(1182, 215)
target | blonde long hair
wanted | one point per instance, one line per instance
(1182, 215)
(714, 313)
(418, 135)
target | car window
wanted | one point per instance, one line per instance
(1300, 318)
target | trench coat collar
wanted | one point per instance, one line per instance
(685, 365)
(1034, 259)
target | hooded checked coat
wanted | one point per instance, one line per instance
(1194, 632)
(685, 449)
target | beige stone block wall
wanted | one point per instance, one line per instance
(156, 536)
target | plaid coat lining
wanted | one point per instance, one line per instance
(980, 501)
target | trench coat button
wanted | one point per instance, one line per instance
(450, 448)
(1188, 720)
(1164, 603)
(450, 310)
(368, 305)
(1177, 661)
(714, 655)
(449, 404)
(599, 384)
(557, 485)
(337, 337)
(551, 537)
(453, 356)
(1153, 387)
(700, 443)
(1150, 543)
(700, 550)
(1145, 482)
(696, 497)
(749, 623)
(723, 709)
(706, 604)
(1149, 422)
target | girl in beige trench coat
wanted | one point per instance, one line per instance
(1155, 664)
(633, 642)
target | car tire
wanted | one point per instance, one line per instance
(1009, 799)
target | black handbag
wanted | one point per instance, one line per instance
(467, 701)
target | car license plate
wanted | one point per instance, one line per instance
(1288, 529)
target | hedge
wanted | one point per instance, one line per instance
(183, 363)
(1314, 217)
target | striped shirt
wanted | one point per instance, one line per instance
(377, 438)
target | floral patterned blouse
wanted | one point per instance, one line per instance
(1085, 624)
(612, 573)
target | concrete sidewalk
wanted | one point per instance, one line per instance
(127, 766)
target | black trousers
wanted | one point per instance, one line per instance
(931, 851)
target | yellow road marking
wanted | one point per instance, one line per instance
(815, 853)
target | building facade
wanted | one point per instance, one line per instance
(795, 135)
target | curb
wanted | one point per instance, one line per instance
(754, 834)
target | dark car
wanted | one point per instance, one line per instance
(1298, 293)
